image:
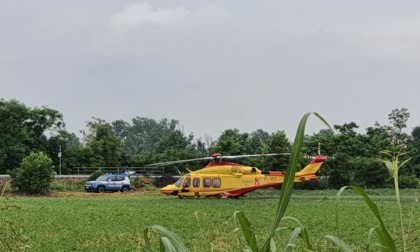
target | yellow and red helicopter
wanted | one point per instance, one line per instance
(231, 180)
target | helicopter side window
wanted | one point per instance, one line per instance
(196, 182)
(207, 182)
(187, 182)
(216, 182)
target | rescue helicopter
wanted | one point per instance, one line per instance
(223, 179)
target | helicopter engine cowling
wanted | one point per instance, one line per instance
(246, 170)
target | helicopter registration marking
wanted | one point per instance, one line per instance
(270, 178)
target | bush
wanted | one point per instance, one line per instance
(408, 181)
(319, 184)
(68, 185)
(95, 175)
(164, 180)
(369, 173)
(142, 182)
(35, 174)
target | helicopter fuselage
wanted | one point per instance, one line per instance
(226, 179)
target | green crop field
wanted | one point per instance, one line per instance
(116, 221)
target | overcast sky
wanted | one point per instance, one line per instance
(214, 65)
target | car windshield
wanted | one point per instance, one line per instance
(102, 178)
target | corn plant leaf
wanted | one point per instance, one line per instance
(246, 228)
(171, 237)
(306, 240)
(303, 234)
(384, 237)
(273, 247)
(339, 243)
(286, 189)
(166, 245)
(291, 241)
(377, 231)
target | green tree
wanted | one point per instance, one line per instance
(67, 143)
(399, 118)
(277, 143)
(368, 173)
(231, 142)
(106, 148)
(413, 147)
(13, 134)
(35, 174)
(144, 135)
(24, 130)
(176, 146)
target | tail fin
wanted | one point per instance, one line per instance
(309, 171)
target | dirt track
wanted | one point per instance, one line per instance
(141, 193)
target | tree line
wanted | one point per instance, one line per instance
(143, 141)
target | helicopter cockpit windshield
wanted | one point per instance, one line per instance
(178, 183)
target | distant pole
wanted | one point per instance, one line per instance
(59, 157)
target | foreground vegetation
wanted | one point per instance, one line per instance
(81, 221)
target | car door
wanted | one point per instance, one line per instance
(111, 183)
(119, 182)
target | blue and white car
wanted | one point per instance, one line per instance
(110, 182)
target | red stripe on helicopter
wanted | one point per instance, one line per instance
(276, 173)
(242, 191)
(319, 159)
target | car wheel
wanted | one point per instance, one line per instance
(125, 189)
(101, 189)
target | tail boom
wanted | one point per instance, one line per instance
(309, 172)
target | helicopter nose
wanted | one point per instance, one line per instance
(169, 190)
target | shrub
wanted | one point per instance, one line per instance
(408, 181)
(164, 180)
(95, 175)
(319, 184)
(369, 173)
(142, 182)
(35, 174)
(68, 185)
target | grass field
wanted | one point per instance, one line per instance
(81, 221)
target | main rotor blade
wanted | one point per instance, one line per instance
(179, 161)
(254, 155)
(221, 157)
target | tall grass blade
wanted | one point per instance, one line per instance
(171, 238)
(384, 237)
(286, 189)
(247, 230)
(339, 243)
